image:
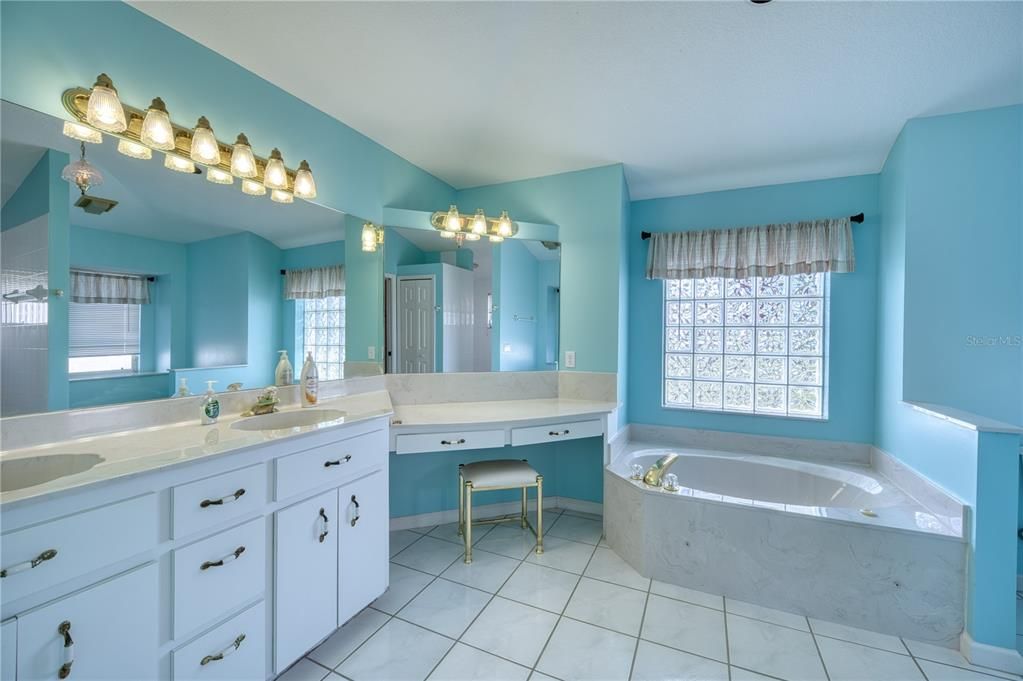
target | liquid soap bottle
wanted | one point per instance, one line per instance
(310, 381)
(285, 374)
(210, 409)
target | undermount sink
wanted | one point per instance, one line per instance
(35, 470)
(288, 419)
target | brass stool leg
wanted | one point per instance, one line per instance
(539, 514)
(468, 523)
(523, 519)
(461, 501)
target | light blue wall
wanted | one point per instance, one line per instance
(218, 293)
(516, 292)
(31, 199)
(364, 296)
(853, 297)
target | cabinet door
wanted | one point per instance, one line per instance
(8, 648)
(105, 632)
(305, 583)
(364, 514)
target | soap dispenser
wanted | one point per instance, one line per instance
(310, 381)
(285, 374)
(183, 387)
(210, 406)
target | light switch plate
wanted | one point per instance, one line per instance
(371, 352)
(570, 359)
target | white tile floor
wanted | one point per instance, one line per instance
(580, 612)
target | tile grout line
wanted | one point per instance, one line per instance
(817, 647)
(728, 646)
(639, 634)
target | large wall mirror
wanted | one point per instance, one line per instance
(453, 305)
(181, 282)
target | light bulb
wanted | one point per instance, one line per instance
(453, 221)
(243, 163)
(275, 176)
(105, 111)
(281, 196)
(253, 187)
(305, 185)
(447, 235)
(205, 148)
(369, 238)
(82, 133)
(178, 164)
(504, 224)
(157, 131)
(495, 239)
(135, 150)
(479, 223)
(218, 176)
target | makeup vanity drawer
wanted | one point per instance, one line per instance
(234, 651)
(335, 463)
(553, 432)
(442, 442)
(208, 502)
(218, 573)
(47, 554)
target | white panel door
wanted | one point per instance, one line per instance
(416, 317)
(364, 517)
(103, 633)
(305, 590)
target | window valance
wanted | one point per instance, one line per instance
(108, 288)
(762, 251)
(315, 282)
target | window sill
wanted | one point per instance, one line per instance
(721, 412)
(118, 374)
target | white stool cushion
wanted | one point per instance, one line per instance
(500, 473)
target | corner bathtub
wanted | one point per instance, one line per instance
(835, 542)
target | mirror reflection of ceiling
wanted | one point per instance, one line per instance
(155, 202)
(432, 241)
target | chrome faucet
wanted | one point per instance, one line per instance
(654, 474)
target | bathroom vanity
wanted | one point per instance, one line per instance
(195, 552)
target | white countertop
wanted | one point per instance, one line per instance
(417, 416)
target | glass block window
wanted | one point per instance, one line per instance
(755, 346)
(323, 334)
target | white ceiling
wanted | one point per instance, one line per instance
(690, 96)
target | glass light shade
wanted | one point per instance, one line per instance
(472, 236)
(495, 239)
(369, 238)
(447, 235)
(453, 221)
(281, 196)
(253, 188)
(104, 110)
(205, 148)
(157, 131)
(135, 150)
(479, 223)
(218, 176)
(178, 164)
(82, 133)
(305, 185)
(504, 225)
(275, 176)
(82, 174)
(243, 163)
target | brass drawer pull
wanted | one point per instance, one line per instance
(337, 462)
(356, 518)
(226, 559)
(69, 650)
(459, 441)
(223, 653)
(326, 525)
(223, 500)
(46, 555)
(558, 433)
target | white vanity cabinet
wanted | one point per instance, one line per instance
(364, 517)
(102, 633)
(8, 649)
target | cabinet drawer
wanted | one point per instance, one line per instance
(554, 432)
(205, 503)
(336, 462)
(76, 545)
(234, 651)
(218, 573)
(442, 442)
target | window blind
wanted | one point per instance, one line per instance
(99, 329)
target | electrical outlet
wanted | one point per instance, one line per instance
(371, 352)
(570, 359)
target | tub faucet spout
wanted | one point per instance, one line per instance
(655, 473)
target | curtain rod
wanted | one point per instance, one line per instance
(852, 218)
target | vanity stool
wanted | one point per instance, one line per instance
(487, 476)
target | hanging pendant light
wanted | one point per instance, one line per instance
(275, 176)
(479, 224)
(82, 174)
(243, 162)
(178, 164)
(205, 148)
(157, 131)
(305, 185)
(134, 150)
(218, 176)
(82, 133)
(504, 225)
(281, 196)
(253, 188)
(104, 110)
(453, 221)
